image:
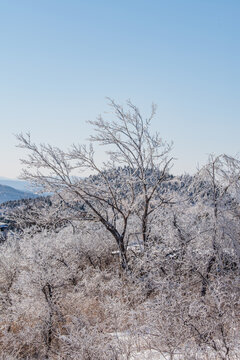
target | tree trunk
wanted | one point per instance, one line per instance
(47, 290)
(123, 253)
(205, 280)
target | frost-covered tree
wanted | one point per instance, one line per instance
(126, 184)
(216, 189)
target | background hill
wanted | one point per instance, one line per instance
(8, 193)
(16, 184)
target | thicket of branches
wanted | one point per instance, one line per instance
(127, 261)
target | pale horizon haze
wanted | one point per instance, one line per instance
(61, 59)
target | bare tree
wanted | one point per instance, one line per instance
(126, 184)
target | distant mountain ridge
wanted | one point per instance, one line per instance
(8, 193)
(16, 184)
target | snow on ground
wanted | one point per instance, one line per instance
(134, 348)
(148, 355)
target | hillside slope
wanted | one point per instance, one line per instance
(8, 193)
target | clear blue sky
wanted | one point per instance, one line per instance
(60, 58)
